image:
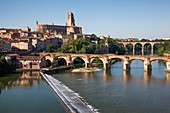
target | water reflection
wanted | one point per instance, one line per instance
(167, 78)
(107, 75)
(24, 79)
(30, 91)
(146, 78)
(118, 91)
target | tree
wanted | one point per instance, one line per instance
(94, 37)
(91, 49)
(115, 47)
(75, 46)
(50, 48)
(65, 48)
(164, 48)
(5, 68)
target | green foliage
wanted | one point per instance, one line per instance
(94, 37)
(97, 60)
(145, 40)
(129, 49)
(78, 46)
(115, 47)
(65, 48)
(5, 68)
(50, 48)
(90, 49)
(82, 46)
(102, 42)
(164, 48)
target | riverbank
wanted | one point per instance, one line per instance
(74, 102)
(86, 69)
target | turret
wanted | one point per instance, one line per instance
(36, 22)
(70, 19)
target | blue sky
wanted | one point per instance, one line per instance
(118, 18)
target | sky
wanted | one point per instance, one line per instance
(117, 18)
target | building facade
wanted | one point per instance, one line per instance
(69, 28)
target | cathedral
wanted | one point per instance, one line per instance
(68, 29)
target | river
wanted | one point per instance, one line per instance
(27, 92)
(114, 91)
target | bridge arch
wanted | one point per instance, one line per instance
(155, 47)
(48, 63)
(48, 57)
(62, 57)
(160, 62)
(136, 58)
(92, 58)
(147, 48)
(129, 48)
(96, 61)
(113, 61)
(159, 58)
(138, 48)
(61, 61)
(80, 61)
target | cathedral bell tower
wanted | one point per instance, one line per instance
(70, 19)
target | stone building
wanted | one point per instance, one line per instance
(9, 33)
(20, 45)
(69, 28)
(5, 46)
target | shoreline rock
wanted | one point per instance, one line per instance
(86, 70)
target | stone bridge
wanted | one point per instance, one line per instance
(106, 59)
(143, 45)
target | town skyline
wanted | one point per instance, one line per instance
(119, 19)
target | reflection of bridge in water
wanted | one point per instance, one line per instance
(106, 59)
(146, 77)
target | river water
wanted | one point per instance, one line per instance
(114, 91)
(27, 92)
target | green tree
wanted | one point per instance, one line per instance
(164, 48)
(78, 46)
(94, 37)
(50, 48)
(5, 68)
(65, 48)
(91, 48)
(115, 47)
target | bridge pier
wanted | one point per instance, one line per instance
(106, 66)
(143, 49)
(69, 63)
(168, 66)
(147, 65)
(88, 65)
(29, 65)
(152, 49)
(133, 49)
(126, 66)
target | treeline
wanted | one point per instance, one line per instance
(164, 48)
(93, 45)
(5, 68)
(83, 46)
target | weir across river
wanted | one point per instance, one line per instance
(74, 102)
